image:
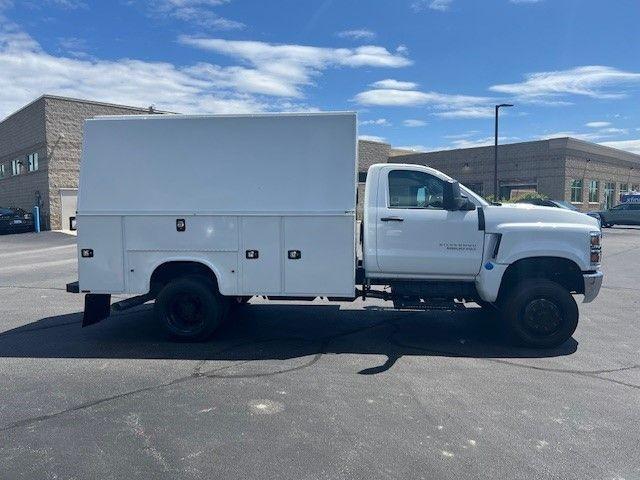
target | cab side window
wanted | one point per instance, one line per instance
(411, 189)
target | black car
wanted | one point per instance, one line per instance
(15, 220)
(545, 202)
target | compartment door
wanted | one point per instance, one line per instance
(261, 275)
(327, 255)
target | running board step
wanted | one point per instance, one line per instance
(428, 305)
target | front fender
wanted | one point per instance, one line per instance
(564, 241)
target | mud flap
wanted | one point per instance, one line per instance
(97, 307)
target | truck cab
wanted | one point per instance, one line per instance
(434, 241)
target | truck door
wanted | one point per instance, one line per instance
(416, 236)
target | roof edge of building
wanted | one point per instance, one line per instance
(373, 141)
(45, 96)
(96, 102)
(24, 107)
(558, 143)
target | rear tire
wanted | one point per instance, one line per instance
(190, 308)
(540, 313)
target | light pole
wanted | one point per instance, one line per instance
(495, 155)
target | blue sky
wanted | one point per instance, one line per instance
(421, 73)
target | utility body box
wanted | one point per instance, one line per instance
(266, 201)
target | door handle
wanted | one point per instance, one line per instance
(392, 219)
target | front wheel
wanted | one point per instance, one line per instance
(540, 313)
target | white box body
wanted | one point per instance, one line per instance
(271, 183)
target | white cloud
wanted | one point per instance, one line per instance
(468, 134)
(632, 146)
(126, 81)
(381, 122)
(597, 124)
(284, 69)
(197, 12)
(614, 131)
(69, 4)
(481, 142)
(413, 148)
(412, 122)
(592, 136)
(445, 105)
(372, 138)
(438, 5)
(482, 111)
(394, 84)
(358, 34)
(594, 81)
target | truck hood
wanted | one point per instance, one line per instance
(520, 214)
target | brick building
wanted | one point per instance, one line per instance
(588, 175)
(40, 148)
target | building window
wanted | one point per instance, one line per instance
(624, 189)
(594, 191)
(576, 191)
(32, 159)
(15, 167)
(2, 171)
(609, 188)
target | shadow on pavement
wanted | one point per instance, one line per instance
(276, 332)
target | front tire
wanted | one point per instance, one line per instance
(540, 313)
(190, 308)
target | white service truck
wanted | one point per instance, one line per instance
(200, 213)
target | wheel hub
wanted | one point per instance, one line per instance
(186, 312)
(542, 317)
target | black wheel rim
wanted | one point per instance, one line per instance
(542, 317)
(186, 313)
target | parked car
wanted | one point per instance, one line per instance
(623, 214)
(545, 202)
(15, 220)
(276, 218)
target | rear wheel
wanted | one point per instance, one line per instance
(190, 308)
(540, 313)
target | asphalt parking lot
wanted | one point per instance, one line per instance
(317, 391)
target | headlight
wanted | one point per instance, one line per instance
(595, 247)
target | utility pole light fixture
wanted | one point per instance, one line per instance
(496, 196)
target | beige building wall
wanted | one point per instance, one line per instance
(527, 163)
(603, 165)
(64, 120)
(369, 153)
(550, 165)
(21, 134)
